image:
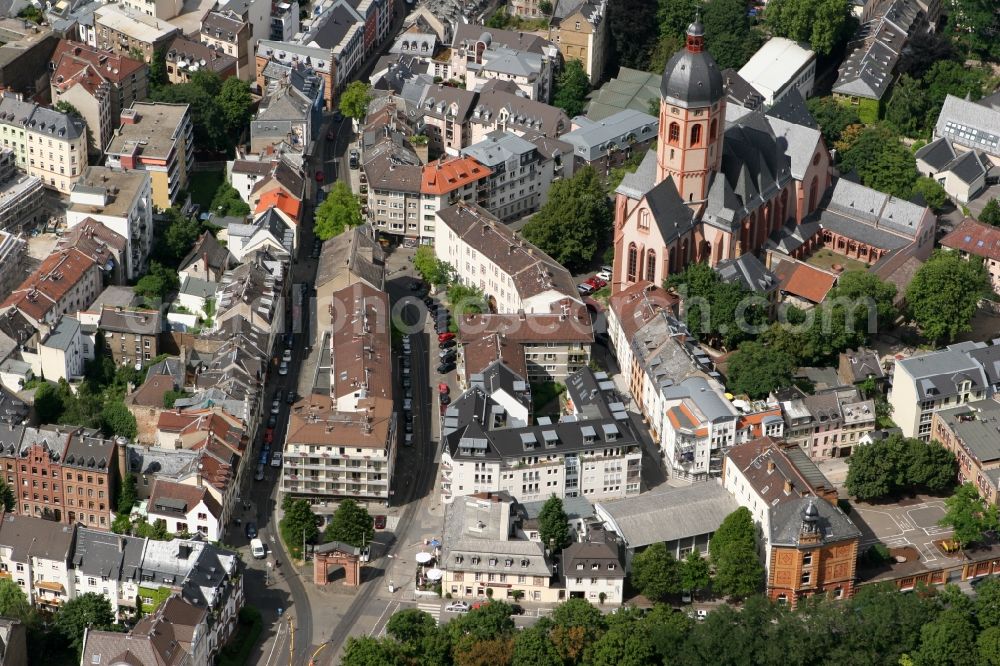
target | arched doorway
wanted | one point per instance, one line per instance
(705, 251)
(330, 556)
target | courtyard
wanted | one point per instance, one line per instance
(910, 522)
(826, 259)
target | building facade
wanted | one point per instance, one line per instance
(49, 145)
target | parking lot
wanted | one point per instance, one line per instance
(907, 523)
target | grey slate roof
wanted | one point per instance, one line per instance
(976, 425)
(673, 217)
(832, 524)
(90, 453)
(692, 79)
(498, 147)
(969, 167)
(792, 109)
(800, 143)
(937, 154)
(635, 185)
(41, 119)
(13, 410)
(27, 536)
(747, 271)
(667, 513)
(62, 336)
(107, 554)
(936, 374)
(331, 28)
(970, 124)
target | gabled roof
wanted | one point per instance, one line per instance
(800, 279)
(937, 154)
(50, 283)
(170, 498)
(975, 238)
(281, 200)
(971, 124)
(218, 256)
(672, 216)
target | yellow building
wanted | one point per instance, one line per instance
(156, 138)
(580, 32)
(48, 144)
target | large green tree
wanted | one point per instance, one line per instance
(990, 214)
(733, 548)
(945, 293)
(833, 117)
(932, 192)
(367, 651)
(236, 105)
(338, 212)
(948, 640)
(13, 601)
(723, 313)
(575, 219)
(355, 99)
(882, 161)
(431, 269)
(118, 421)
(227, 201)
(298, 525)
(632, 30)
(757, 369)
(86, 611)
(656, 573)
(157, 283)
(866, 299)
(822, 23)
(695, 572)
(410, 626)
(576, 624)
(350, 524)
(553, 525)
(625, 643)
(728, 34)
(898, 464)
(571, 88)
(969, 515)
(532, 647)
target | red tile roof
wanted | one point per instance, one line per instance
(282, 201)
(52, 280)
(803, 280)
(975, 238)
(635, 306)
(110, 66)
(443, 177)
(190, 495)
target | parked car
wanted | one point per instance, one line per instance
(251, 530)
(407, 405)
(444, 388)
(408, 439)
(355, 159)
(446, 352)
(283, 369)
(409, 428)
(259, 476)
(286, 356)
(701, 614)
(408, 393)
(446, 337)
(290, 398)
(445, 368)
(584, 288)
(450, 342)
(596, 282)
(445, 398)
(269, 436)
(380, 522)
(276, 460)
(457, 607)
(272, 420)
(275, 406)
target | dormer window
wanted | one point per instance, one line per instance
(579, 567)
(524, 564)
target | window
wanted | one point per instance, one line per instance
(713, 129)
(651, 266)
(695, 135)
(675, 133)
(632, 263)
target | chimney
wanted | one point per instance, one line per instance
(130, 117)
(770, 466)
(788, 487)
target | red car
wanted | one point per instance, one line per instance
(320, 176)
(596, 282)
(269, 435)
(444, 388)
(445, 337)
(380, 522)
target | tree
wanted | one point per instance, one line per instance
(832, 116)
(871, 300)
(987, 603)
(576, 624)
(656, 573)
(733, 549)
(632, 30)
(158, 68)
(200, 95)
(351, 524)
(367, 651)
(715, 311)
(756, 369)
(944, 295)
(991, 213)
(431, 269)
(659, 55)
(625, 643)
(674, 16)
(871, 473)
(49, 403)
(553, 525)
(728, 34)
(695, 572)
(908, 106)
(355, 99)
(13, 602)
(930, 466)
(571, 88)
(949, 640)
(338, 212)
(932, 193)
(545, 7)
(298, 525)
(880, 160)
(180, 235)
(87, 611)
(117, 420)
(235, 105)
(822, 23)
(573, 221)
(969, 515)
(63, 106)
(988, 647)
(31, 13)
(227, 201)
(126, 494)
(156, 284)
(466, 299)
(410, 625)
(899, 464)
(171, 397)
(532, 647)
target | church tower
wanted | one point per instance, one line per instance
(692, 119)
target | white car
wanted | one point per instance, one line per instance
(605, 275)
(275, 406)
(457, 607)
(286, 356)
(701, 614)
(283, 369)
(407, 405)
(275, 460)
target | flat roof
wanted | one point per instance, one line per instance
(153, 134)
(775, 64)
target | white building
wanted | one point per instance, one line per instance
(37, 555)
(185, 509)
(49, 145)
(779, 66)
(61, 353)
(513, 274)
(123, 202)
(479, 55)
(592, 569)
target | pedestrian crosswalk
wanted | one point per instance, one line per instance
(434, 610)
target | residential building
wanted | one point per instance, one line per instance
(683, 519)
(107, 248)
(123, 202)
(161, 9)
(869, 69)
(49, 145)
(828, 424)
(489, 446)
(13, 251)
(393, 172)
(522, 59)
(813, 551)
(208, 260)
(764, 473)
(355, 421)
(969, 431)
(156, 138)
(628, 312)
(66, 281)
(580, 29)
(25, 56)
(271, 232)
(924, 384)
(13, 410)
(185, 509)
(971, 125)
(126, 32)
(290, 113)
(611, 141)
(283, 187)
(228, 33)
(514, 275)
(99, 84)
(185, 57)
(108, 564)
(479, 551)
(131, 337)
(780, 65)
(349, 32)
(444, 182)
(519, 174)
(855, 368)
(975, 239)
(21, 197)
(284, 21)
(593, 569)
(60, 352)
(249, 291)
(962, 173)
(274, 59)
(36, 554)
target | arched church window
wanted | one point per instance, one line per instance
(695, 135)
(651, 265)
(633, 259)
(713, 129)
(675, 133)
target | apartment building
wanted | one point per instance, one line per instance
(21, 196)
(99, 84)
(970, 432)
(828, 424)
(252, 293)
(208, 260)
(522, 59)
(513, 274)
(125, 32)
(344, 444)
(185, 57)
(480, 552)
(175, 633)
(593, 568)
(348, 32)
(49, 145)
(227, 32)
(36, 554)
(66, 281)
(156, 138)
(131, 337)
(290, 114)
(108, 564)
(13, 251)
(123, 202)
(519, 174)
(104, 246)
(611, 141)
(161, 9)
(185, 509)
(580, 30)
(273, 60)
(924, 384)
(445, 182)
(490, 447)
(61, 352)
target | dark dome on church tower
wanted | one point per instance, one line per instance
(692, 78)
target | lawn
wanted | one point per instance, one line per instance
(202, 186)
(825, 259)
